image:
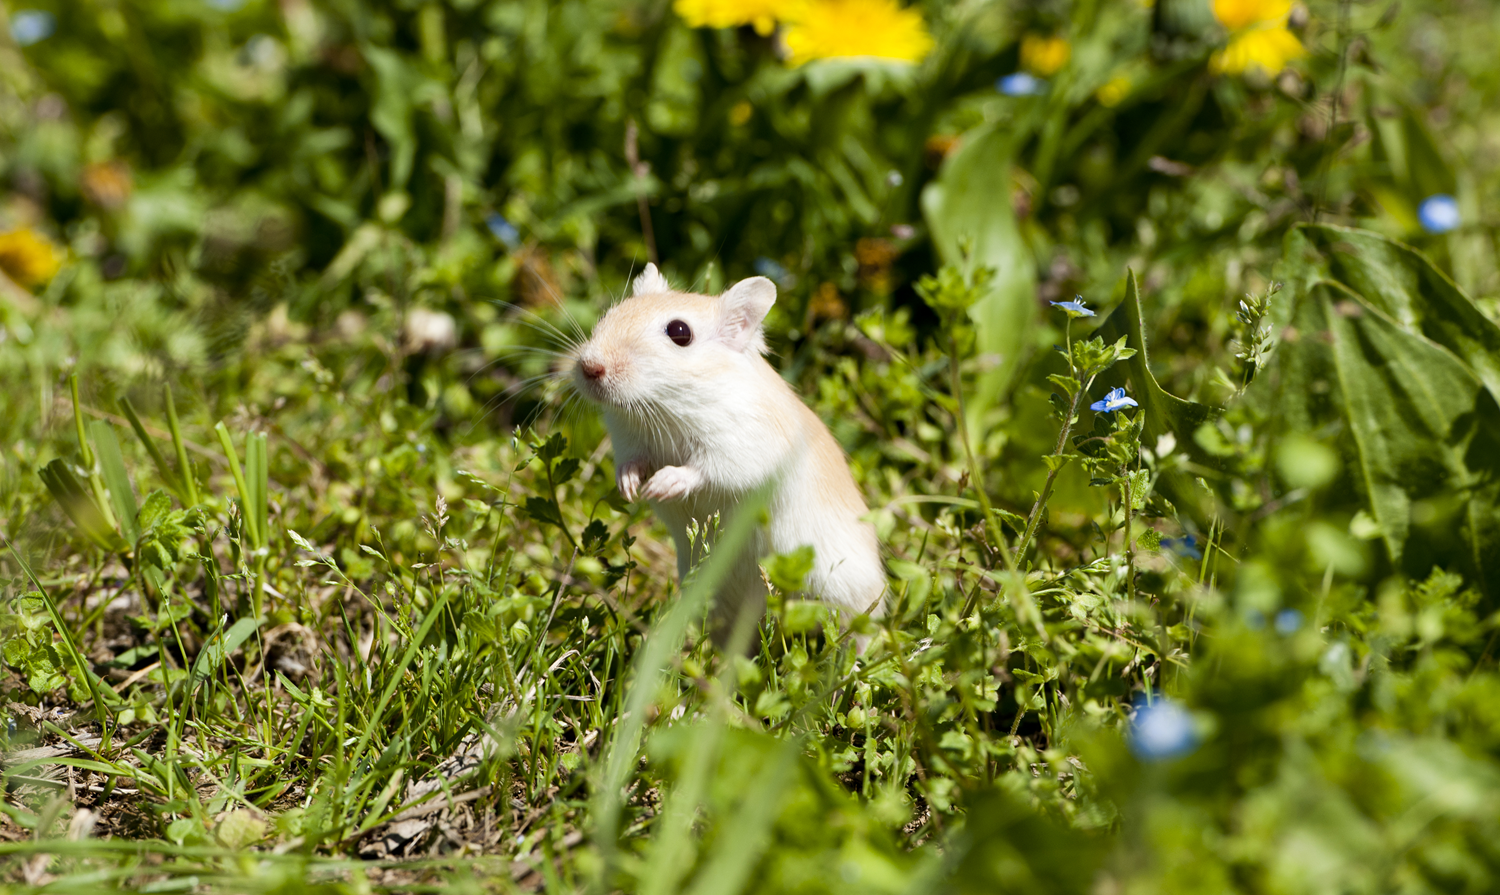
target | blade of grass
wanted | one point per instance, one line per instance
(257, 483)
(748, 831)
(83, 442)
(116, 478)
(671, 854)
(397, 672)
(664, 639)
(239, 480)
(184, 468)
(68, 646)
(162, 467)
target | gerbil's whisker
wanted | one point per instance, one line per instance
(510, 352)
(529, 318)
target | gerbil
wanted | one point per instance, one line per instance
(699, 420)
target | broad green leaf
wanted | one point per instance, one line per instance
(1423, 430)
(968, 208)
(1403, 284)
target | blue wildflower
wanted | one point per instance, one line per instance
(1162, 730)
(1439, 213)
(770, 270)
(1020, 84)
(1288, 621)
(29, 26)
(1185, 546)
(504, 230)
(1075, 308)
(1115, 400)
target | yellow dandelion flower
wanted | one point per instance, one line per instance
(1237, 14)
(1043, 56)
(1268, 49)
(27, 258)
(762, 14)
(1259, 38)
(828, 29)
(1114, 91)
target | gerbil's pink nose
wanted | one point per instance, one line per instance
(591, 369)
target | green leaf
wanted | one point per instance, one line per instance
(968, 207)
(552, 448)
(257, 484)
(66, 488)
(240, 828)
(116, 479)
(788, 571)
(595, 536)
(156, 507)
(565, 470)
(227, 443)
(747, 831)
(1423, 429)
(1067, 383)
(543, 510)
(1139, 488)
(1058, 461)
(1405, 286)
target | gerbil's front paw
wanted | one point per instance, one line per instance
(672, 483)
(628, 478)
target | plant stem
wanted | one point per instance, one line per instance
(552, 489)
(1034, 518)
(1129, 543)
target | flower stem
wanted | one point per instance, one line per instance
(1035, 517)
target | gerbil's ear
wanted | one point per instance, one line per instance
(745, 307)
(650, 282)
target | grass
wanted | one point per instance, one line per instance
(413, 647)
(299, 593)
(359, 645)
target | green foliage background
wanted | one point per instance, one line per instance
(319, 580)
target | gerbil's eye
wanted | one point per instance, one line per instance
(680, 333)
